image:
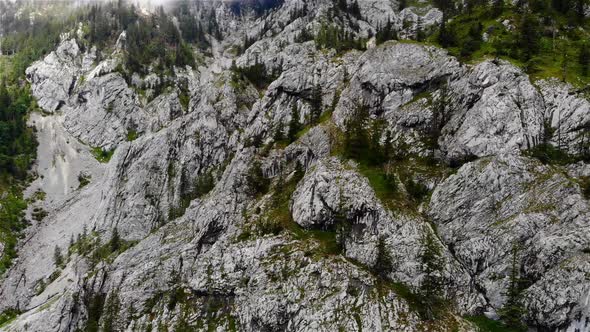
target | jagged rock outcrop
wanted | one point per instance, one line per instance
(494, 109)
(408, 83)
(103, 112)
(335, 196)
(387, 77)
(558, 297)
(176, 188)
(54, 78)
(497, 203)
(568, 114)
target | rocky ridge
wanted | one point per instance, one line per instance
(203, 260)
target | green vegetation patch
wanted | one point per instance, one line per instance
(83, 180)
(257, 74)
(8, 316)
(91, 246)
(102, 155)
(277, 219)
(585, 186)
(132, 135)
(395, 175)
(12, 223)
(549, 39)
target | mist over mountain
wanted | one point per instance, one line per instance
(294, 165)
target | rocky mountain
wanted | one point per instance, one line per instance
(275, 184)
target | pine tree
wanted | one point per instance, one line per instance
(376, 155)
(316, 103)
(580, 7)
(294, 124)
(111, 312)
(529, 36)
(4, 98)
(115, 242)
(445, 35)
(57, 257)
(299, 172)
(257, 182)
(432, 283)
(356, 138)
(388, 145)
(385, 33)
(420, 35)
(562, 6)
(402, 5)
(383, 263)
(341, 224)
(497, 8)
(444, 5)
(473, 40)
(278, 134)
(439, 118)
(304, 36)
(355, 9)
(513, 310)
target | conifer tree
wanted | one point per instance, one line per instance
(402, 5)
(529, 36)
(432, 283)
(257, 183)
(355, 10)
(385, 33)
(376, 155)
(278, 133)
(111, 311)
(115, 242)
(356, 138)
(383, 263)
(497, 8)
(341, 224)
(316, 103)
(580, 10)
(445, 35)
(513, 310)
(4, 98)
(294, 124)
(420, 35)
(57, 257)
(439, 118)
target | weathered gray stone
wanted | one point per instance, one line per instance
(190, 254)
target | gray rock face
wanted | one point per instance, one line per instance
(568, 114)
(163, 109)
(560, 295)
(54, 77)
(479, 102)
(177, 188)
(329, 189)
(335, 196)
(495, 109)
(389, 76)
(496, 203)
(104, 111)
